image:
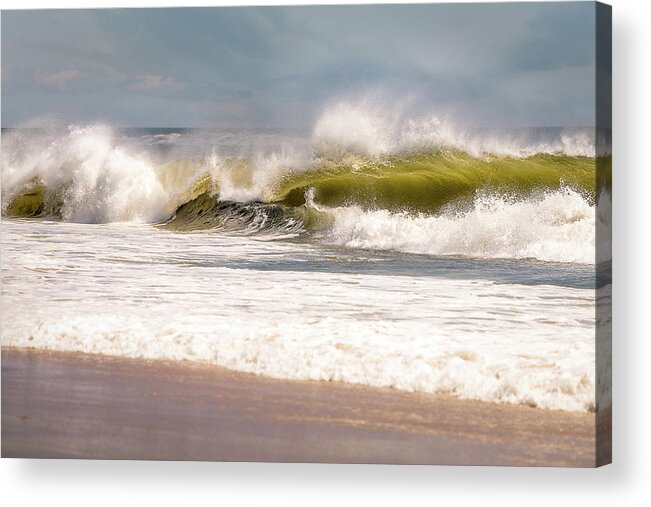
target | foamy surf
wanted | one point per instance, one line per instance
(268, 308)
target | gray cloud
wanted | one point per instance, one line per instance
(510, 64)
(58, 79)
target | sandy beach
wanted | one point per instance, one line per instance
(69, 405)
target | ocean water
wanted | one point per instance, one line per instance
(419, 257)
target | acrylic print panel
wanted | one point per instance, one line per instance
(374, 234)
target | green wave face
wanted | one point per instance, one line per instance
(28, 204)
(426, 183)
(36, 202)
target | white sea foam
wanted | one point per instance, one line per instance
(138, 291)
(556, 226)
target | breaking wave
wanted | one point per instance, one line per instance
(366, 180)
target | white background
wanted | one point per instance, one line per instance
(626, 482)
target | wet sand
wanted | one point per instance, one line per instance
(69, 405)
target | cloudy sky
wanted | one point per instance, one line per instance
(528, 64)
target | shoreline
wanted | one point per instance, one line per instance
(76, 405)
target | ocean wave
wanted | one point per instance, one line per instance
(437, 199)
(86, 176)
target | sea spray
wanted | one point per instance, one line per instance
(372, 128)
